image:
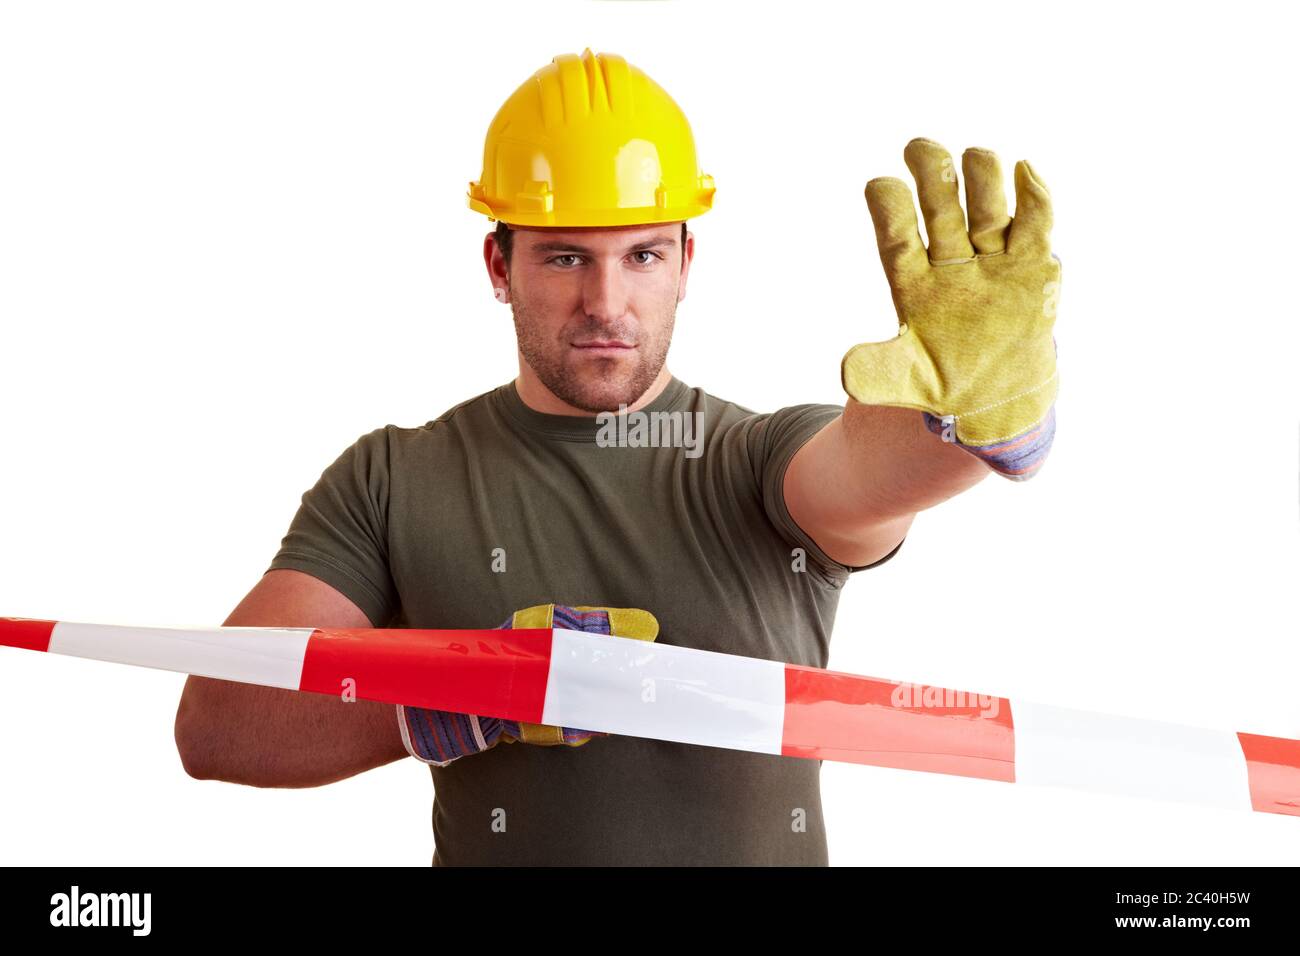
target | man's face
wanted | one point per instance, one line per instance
(594, 308)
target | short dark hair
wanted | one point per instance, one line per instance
(505, 240)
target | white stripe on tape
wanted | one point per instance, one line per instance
(1143, 758)
(640, 689)
(254, 655)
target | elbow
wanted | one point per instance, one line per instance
(196, 736)
(194, 758)
(191, 764)
(208, 753)
(201, 759)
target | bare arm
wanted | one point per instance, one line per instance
(856, 485)
(269, 737)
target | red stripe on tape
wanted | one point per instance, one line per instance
(498, 673)
(28, 633)
(836, 716)
(1273, 768)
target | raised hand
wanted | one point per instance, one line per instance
(974, 349)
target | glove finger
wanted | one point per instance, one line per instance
(936, 187)
(630, 622)
(986, 200)
(1031, 229)
(539, 615)
(573, 738)
(896, 372)
(897, 235)
(548, 735)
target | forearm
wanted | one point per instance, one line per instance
(895, 463)
(270, 737)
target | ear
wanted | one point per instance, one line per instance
(495, 263)
(688, 254)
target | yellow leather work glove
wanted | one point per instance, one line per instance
(440, 737)
(974, 350)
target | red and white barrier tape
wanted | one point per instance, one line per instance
(635, 688)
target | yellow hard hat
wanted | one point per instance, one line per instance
(590, 141)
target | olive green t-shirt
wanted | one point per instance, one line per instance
(493, 507)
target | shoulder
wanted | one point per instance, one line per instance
(763, 428)
(463, 414)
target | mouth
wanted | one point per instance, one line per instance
(604, 348)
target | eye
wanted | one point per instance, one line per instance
(646, 252)
(567, 255)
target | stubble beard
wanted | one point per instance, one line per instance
(592, 384)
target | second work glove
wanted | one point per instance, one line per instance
(439, 737)
(974, 350)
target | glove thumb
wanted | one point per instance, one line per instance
(896, 372)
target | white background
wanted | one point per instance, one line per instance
(233, 238)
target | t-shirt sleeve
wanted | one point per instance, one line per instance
(340, 535)
(773, 441)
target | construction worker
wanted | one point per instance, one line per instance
(598, 491)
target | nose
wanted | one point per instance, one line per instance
(605, 292)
